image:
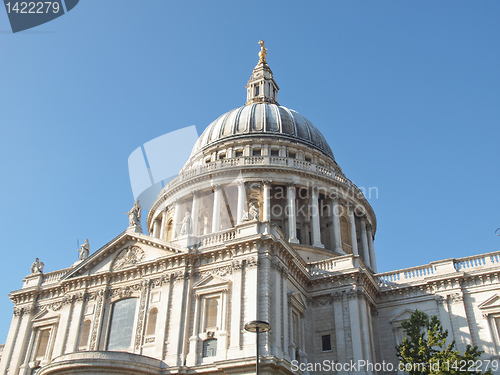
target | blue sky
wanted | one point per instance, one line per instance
(406, 93)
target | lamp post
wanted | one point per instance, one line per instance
(257, 326)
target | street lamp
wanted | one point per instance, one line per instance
(257, 326)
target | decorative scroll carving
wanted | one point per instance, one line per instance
(124, 292)
(128, 257)
(100, 299)
(253, 262)
(321, 300)
(456, 298)
(237, 265)
(140, 323)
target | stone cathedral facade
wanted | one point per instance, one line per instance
(261, 223)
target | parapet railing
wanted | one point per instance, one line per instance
(409, 275)
(260, 160)
(216, 238)
(54, 276)
(324, 267)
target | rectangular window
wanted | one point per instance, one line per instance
(122, 324)
(326, 343)
(43, 343)
(308, 159)
(257, 90)
(239, 154)
(275, 152)
(222, 156)
(255, 152)
(291, 155)
(211, 313)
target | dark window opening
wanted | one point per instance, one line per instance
(239, 154)
(210, 348)
(326, 343)
(256, 153)
(275, 152)
(291, 155)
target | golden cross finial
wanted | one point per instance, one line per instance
(262, 53)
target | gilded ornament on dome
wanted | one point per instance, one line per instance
(262, 53)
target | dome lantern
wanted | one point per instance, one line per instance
(261, 87)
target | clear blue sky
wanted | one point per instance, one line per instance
(407, 93)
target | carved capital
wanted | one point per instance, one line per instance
(267, 183)
(216, 187)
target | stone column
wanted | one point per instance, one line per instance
(177, 218)
(194, 213)
(371, 248)
(241, 202)
(315, 218)
(354, 239)
(266, 212)
(163, 226)
(336, 236)
(156, 229)
(216, 209)
(364, 243)
(292, 215)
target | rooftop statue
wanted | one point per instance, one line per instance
(84, 250)
(37, 266)
(134, 215)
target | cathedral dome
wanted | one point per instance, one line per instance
(262, 119)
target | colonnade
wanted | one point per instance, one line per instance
(361, 235)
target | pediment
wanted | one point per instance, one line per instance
(45, 316)
(211, 282)
(403, 315)
(124, 251)
(491, 303)
(298, 301)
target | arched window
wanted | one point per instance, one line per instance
(84, 335)
(212, 309)
(210, 348)
(122, 324)
(151, 328)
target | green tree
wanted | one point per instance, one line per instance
(424, 350)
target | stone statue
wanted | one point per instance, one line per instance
(84, 250)
(253, 212)
(37, 266)
(262, 53)
(186, 227)
(134, 215)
